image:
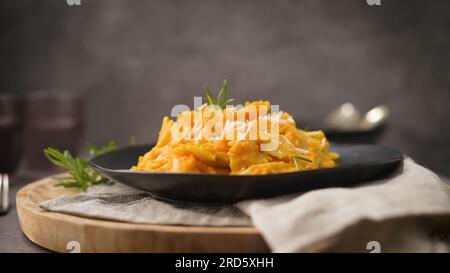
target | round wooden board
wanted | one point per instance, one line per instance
(54, 231)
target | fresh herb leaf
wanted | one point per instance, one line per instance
(81, 175)
(302, 158)
(209, 96)
(95, 151)
(297, 167)
(228, 101)
(222, 98)
(299, 157)
(223, 94)
(133, 140)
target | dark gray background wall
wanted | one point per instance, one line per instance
(133, 60)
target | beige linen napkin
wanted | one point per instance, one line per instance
(125, 204)
(409, 211)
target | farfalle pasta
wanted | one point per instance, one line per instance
(248, 140)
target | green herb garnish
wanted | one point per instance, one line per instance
(133, 141)
(95, 151)
(299, 157)
(222, 98)
(81, 175)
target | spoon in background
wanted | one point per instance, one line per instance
(346, 118)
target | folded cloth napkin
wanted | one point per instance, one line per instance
(399, 213)
(406, 212)
(122, 203)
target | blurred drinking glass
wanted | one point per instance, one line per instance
(52, 119)
(10, 133)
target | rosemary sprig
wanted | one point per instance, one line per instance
(81, 175)
(95, 151)
(222, 98)
(133, 141)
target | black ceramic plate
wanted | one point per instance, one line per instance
(358, 163)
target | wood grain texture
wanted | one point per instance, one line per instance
(54, 230)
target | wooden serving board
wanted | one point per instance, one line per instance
(61, 232)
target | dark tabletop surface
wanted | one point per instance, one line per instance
(11, 237)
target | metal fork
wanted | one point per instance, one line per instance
(4, 193)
